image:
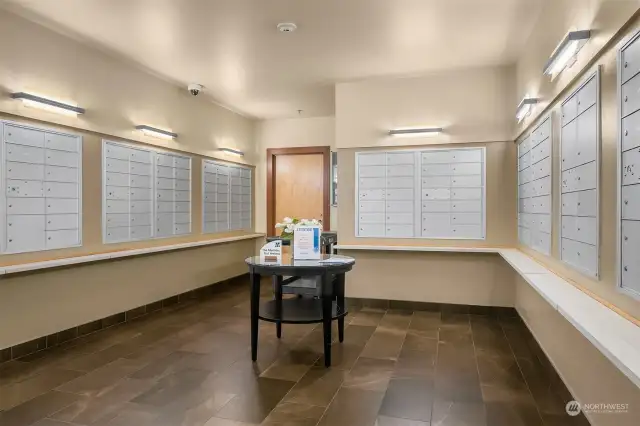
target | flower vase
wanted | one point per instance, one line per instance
(287, 250)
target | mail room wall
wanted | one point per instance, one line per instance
(117, 96)
(588, 374)
(474, 107)
(604, 288)
(288, 133)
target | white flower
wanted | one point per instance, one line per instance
(288, 229)
(280, 225)
(315, 222)
(288, 220)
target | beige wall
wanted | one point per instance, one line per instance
(37, 304)
(606, 287)
(462, 278)
(116, 95)
(590, 377)
(501, 190)
(287, 133)
(604, 17)
(472, 105)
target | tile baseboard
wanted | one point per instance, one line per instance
(447, 308)
(64, 336)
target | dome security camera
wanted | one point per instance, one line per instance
(195, 88)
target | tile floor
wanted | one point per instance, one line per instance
(191, 366)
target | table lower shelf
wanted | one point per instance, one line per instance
(298, 311)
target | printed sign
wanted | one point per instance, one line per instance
(271, 252)
(306, 242)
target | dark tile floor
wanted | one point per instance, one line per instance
(191, 366)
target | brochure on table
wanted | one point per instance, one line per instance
(306, 242)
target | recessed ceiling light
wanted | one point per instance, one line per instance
(287, 27)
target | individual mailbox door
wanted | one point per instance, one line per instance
(61, 221)
(631, 167)
(466, 206)
(25, 171)
(630, 61)
(61, 142)
(587, 95)
(631, 96)
(62, 238)
(63, 174)
(25, 233)
(372, 171)
(23, 136)
(466, 181)
(372, 159)
(24, 154)
(24, 188)
(62, 158)
(631, 131)
(61, 190)
(439, 169)
(631, 202)
(25, 206)
(630, 254)
(466, 156)
(581, 203)
(569, 110)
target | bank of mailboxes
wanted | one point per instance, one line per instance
(629, 68)
(432, 193)
(534, 188)
(227, 197)
(43, 175)
(146, 193)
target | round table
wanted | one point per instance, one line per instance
(330, 306)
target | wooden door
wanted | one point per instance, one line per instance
(298, 185)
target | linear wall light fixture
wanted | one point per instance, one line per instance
(566, 51)
(524, 107)
(157, 133)
(30, 100)
(232, 151)
(426, 131)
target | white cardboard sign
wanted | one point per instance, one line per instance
(271, 252)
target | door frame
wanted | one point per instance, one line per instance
(272, 153)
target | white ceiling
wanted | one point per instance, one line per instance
(234, 49)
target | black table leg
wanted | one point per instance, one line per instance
(255, 310)
(327, 302)
(277, 284)
(341, 305)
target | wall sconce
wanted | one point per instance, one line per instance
(156, 133)
(425, 131)
(231, 151)
(566, 51)
(34, 101)
(524, 107)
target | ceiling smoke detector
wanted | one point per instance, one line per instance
(287, 27)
